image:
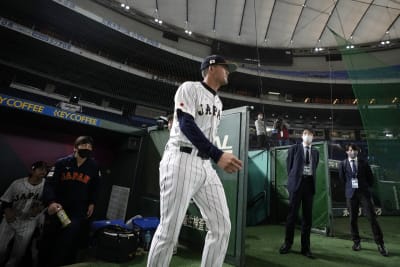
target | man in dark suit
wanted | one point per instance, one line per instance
(357, 176)
(301, 163)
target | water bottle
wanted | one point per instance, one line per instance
(147, 240)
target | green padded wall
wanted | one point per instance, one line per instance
(258, 187)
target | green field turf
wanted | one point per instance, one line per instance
(263, 242)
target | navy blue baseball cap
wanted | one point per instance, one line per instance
(217, 60)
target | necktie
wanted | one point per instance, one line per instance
(307, 155)
(353, 168)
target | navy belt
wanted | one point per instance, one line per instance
(188, 150)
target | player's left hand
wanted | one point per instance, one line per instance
(90, 210)
(229, 163)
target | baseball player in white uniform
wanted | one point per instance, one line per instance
(22, 207)
(186, 172)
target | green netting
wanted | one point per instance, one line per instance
(376, 86)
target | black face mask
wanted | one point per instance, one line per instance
(84, 153)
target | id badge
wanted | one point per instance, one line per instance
(354, 183)
(307, 170)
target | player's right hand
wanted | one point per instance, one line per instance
(229, 163)
(54, 208)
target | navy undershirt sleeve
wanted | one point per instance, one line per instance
(196, 136)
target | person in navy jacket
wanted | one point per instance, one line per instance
(71, 185)
(301, 163)
(356, 173)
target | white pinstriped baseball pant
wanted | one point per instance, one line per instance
(184, 177)
(21, 231)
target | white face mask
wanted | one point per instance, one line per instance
(260, 117)
(307, 139)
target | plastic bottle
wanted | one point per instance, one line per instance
(147, 240)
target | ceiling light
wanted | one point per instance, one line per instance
(274, 93)
(188, 31)
(157, 17)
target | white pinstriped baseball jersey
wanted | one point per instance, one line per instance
(25, 197)
(206, 108)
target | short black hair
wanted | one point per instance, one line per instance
(39, 164)
(84, 139)
(352, 146)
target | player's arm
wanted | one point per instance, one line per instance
(226, 161)
(9, 212)
(49, 190)
(7, 202)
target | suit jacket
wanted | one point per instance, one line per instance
(295, 165)
(364, 176)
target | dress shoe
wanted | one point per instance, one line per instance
(383, 250)
(356, 246)
(285, 248)
(307, 253)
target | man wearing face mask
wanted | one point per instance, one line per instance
(301, 163)
(70, 186)
(358, 178)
